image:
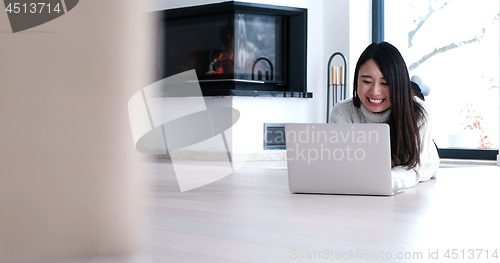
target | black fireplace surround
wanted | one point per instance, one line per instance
(236, 48)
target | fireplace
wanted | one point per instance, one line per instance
(237, 49)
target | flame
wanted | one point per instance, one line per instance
(227, 54)
(219, 57)
(219, 71)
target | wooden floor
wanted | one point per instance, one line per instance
(250, 216)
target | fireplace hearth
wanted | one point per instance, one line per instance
(236, 48)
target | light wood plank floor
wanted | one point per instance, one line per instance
(250, 216)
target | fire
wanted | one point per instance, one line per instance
(224, 63)
(219, 71)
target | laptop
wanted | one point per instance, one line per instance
(339, 158)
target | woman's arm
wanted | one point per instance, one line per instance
(339, 113)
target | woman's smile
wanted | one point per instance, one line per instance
(375, 101)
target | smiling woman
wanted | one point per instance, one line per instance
(382, 94)
(373, 90)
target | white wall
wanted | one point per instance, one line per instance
(329, 24)
(360, 32)
(347, 29)
(336, 39)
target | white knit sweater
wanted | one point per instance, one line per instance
(346, 112)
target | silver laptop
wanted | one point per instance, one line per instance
(339, 159)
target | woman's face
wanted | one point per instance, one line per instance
(373, 90)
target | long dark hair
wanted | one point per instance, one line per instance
(406, 113)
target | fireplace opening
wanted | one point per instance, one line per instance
(236, 48)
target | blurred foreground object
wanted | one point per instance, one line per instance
(69, 187)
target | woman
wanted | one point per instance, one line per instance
(382, 94)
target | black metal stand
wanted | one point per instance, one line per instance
(339, 90)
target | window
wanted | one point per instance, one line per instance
(453, 45)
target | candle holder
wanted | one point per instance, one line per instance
(337, 82)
